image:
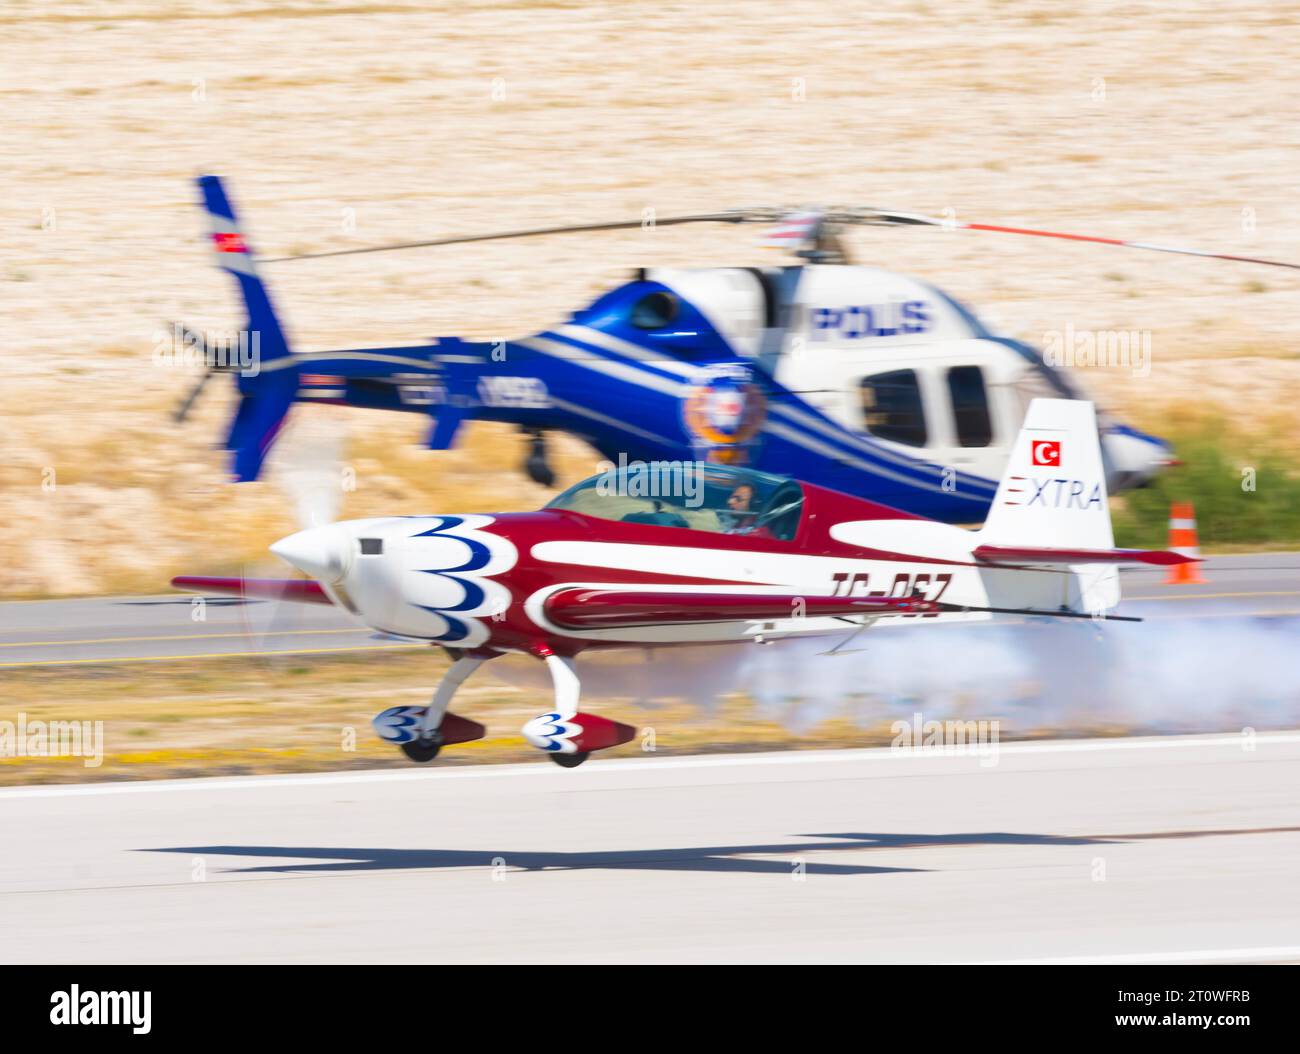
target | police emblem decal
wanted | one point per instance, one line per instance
(723, 411)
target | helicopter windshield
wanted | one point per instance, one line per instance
(693, 494)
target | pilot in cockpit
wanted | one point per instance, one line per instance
(741, 515)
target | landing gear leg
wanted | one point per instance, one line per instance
(565, 734)
(422, 731)
(447, 687)
(567, 690)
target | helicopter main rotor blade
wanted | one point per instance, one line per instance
(904, 219)
(737, 216)
(835, 216)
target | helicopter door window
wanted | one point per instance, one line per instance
(970, 406)
(892, 408)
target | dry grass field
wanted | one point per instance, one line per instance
(349, 123)
(287, 714)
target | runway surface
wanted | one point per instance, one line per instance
(159, 628)
(1133, 850)
(147, 629)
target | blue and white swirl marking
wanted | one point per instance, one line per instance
(434, 580)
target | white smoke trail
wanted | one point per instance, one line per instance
(1156, 676)
(1197, 674)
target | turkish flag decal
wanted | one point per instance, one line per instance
(1046, 452)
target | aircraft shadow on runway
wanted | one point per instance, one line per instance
(726, 858)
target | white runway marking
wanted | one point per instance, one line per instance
(1285, 953)
(1094, 850)
(654, 764)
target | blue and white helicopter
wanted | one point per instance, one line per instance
(862, 380)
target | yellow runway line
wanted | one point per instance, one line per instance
(1221, 614)
(181, 636)
(210, 655)
(1223, 596)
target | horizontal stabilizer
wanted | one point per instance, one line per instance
(581, 608)
(303, 590)
(1021, 554)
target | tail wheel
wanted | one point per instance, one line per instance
(567, 761)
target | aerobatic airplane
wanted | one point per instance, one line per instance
(852, 378)
(653, 556)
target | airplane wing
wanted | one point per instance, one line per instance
(303, 590)
(595, 608)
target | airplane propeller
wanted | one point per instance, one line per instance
(307, 467)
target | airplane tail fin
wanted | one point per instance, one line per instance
(267, 383)
(1052, 497)
(1052, 512)
(1053, 492)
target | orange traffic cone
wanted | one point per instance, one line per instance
(1182, 539)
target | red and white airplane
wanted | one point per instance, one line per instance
(663, 554)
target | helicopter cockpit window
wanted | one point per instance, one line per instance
(654, 311)
(970, 406)
(692, 494)
(892, 407)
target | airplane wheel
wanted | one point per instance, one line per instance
(422, 750)
(570, 761)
